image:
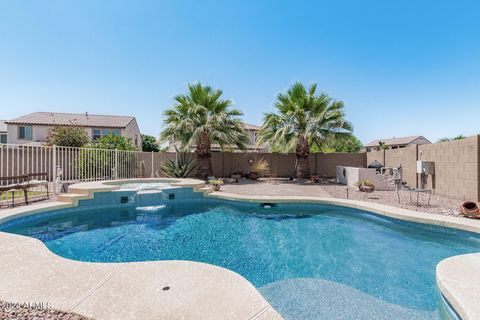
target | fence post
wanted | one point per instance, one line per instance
(116, 164)
(152, 175)
(54, 169)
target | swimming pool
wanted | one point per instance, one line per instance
(309, 261)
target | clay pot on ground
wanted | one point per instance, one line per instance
(470, 209)
(364, 187)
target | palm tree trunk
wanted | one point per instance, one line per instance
(302, 165)
(204, 154)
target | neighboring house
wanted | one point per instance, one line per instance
(3, 131)
(252, 132)
(395, 143)
(33, 128)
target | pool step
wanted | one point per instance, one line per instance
(72, 197)
(206, 190)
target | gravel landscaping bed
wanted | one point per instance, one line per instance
(438, 205)
(18, 311)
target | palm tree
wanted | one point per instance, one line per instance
(201, 118)
(459, 137)
(304, 119)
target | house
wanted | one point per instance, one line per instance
(3, 131)
(395, 143)
(252, 132)
(33, 128)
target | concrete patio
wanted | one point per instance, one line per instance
(275, 187)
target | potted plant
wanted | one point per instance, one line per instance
(216, 184)
(365, 186)
(258, 168)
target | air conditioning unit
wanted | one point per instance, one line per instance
(426, 167)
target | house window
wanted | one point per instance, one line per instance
(25, 132)
(100, 133)
(3, 138)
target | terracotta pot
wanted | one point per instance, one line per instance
(216, 187)
(253, 176)
(314, 179)
(366, 188)
(470, 209)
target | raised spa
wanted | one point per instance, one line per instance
(309, 261)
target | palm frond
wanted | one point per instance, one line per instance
(301, 112)
(203, 111)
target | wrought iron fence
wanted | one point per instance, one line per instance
(69, 164)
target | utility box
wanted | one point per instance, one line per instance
(426, 167)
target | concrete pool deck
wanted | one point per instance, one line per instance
(31, 273)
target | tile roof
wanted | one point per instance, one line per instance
(3, 126)
(73, 119)
(394, 141)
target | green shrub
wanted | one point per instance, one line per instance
(215, 181)
(67, 136)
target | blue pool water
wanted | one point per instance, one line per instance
(309, 261)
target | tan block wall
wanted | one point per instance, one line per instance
(328, 162)
(16, 160)
(283, 165)
(376, 156)
(456, 166)
(407, 159)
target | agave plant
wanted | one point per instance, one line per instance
(181, 167)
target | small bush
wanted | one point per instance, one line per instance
(261, 166)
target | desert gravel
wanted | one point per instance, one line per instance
(12, 311)
(438, 205)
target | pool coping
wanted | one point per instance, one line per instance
(461, 289)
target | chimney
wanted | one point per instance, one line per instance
(86, 115)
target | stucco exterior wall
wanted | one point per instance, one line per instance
(350, 176)
(132, 131)
(40, 133)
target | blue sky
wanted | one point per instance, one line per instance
(401, 67)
